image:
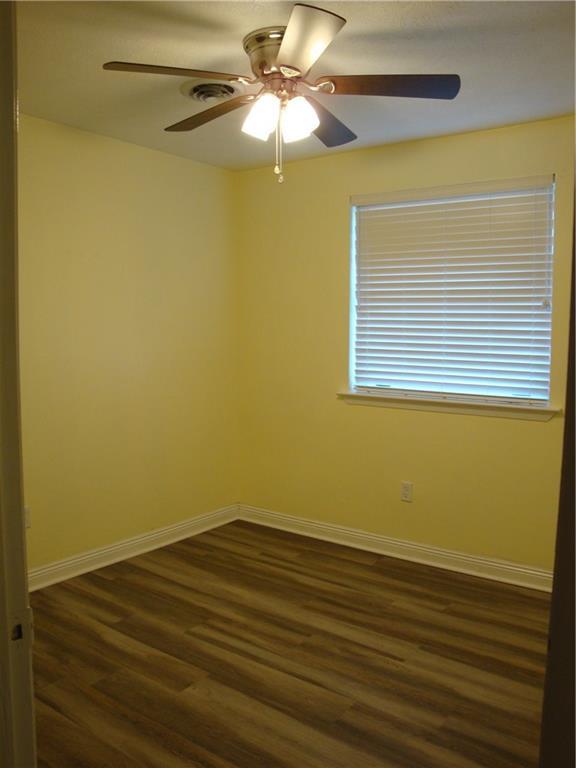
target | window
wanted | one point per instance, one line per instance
(452, 294)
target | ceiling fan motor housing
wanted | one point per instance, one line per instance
(262, 47)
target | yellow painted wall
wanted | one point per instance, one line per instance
(126, 310)
(483, 485)
(184, 333)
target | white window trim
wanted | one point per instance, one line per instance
(420, 400)
(471, 188)
(414, 402)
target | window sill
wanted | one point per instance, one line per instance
(504, 411)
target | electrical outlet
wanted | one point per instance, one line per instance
(406, 490)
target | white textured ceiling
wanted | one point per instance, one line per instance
(516, 61)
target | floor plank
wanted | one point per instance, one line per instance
(249, 647)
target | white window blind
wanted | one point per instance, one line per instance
(452, 294)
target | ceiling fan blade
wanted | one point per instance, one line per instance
(152, 69)
(411, 86)
(211, 114)
(331, 131)
(309, 32)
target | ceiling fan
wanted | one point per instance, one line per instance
(280, 59)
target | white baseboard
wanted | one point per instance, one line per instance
(45, 575)
(484, 567)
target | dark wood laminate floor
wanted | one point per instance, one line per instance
(247, 647)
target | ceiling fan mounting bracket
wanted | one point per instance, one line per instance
(290, 71)
(326, 86)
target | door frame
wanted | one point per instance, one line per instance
(557, 746)
(17, 732)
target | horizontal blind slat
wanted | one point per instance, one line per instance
(456, 354)
(454, 294)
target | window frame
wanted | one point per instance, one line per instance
(507, 406)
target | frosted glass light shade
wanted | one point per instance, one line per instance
(299, 120)
(263, 117)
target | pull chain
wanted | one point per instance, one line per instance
(279, 160)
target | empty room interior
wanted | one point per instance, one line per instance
(294, 313)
